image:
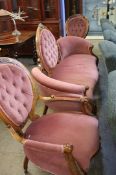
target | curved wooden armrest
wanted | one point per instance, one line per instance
(85, 102)
(79, 98)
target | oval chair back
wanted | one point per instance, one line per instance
(77, 25)
(16, 95)
(46, 48)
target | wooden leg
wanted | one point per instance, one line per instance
(45, 110)
(73, 165)
(25, 165)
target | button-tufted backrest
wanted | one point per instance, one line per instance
(48, 49)
(16, 95)
(4, 60)
(77, 25)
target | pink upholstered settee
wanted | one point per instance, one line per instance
(71, 69)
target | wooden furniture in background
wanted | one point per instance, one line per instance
(44, 11)
(47, 12)
(5, 22)
(72, 7)
(37, 11)
(12, 44)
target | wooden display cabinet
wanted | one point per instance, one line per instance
(32, 10)
(73, 7)
(51, 16)
(50, 10)
(5, 21)
(44, 11)
(36, 11)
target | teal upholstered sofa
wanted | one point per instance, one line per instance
(108, 111)
(108, 50)
(108, 46)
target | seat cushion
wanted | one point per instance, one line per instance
(79, 130)
(78, 69)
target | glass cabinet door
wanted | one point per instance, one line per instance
(31, 8)
(72, 7)
(50, 9)
(5, 21)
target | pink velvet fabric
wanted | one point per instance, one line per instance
(44, 146)
(78, 69)
(77, 26)
(71, 45)
(49, 86)
(5, 60)
(56, 84)
(49, 49)
(15, 93)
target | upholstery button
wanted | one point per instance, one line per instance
(7, 91)
(11, 105)
(14, 84)
(25, 105)
(19, 111)
(23, 91)
(4, 77)
(16, 97)
(23, 78)
(3, 97)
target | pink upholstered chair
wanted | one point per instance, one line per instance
(77, 25)
(7, 60)
(70, 65)
(59, 143)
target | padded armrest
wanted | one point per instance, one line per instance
(56, 84)
(70, 45)
(43, 146)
